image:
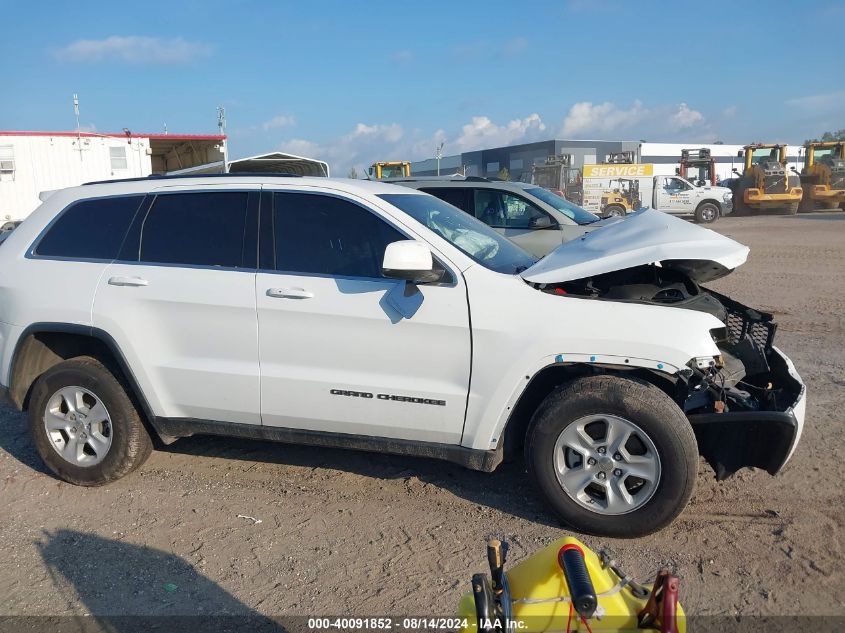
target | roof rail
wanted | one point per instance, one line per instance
(242, 174)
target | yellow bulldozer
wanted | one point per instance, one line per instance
(823, 175)
(390, 169)
(765, 183)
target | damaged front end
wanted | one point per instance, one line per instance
(746, 405)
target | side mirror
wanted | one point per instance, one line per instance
(410, 260)
(540, 222)
(735, 170)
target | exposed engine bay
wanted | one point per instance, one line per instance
(726, 396)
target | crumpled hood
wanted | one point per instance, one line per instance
(643, 237)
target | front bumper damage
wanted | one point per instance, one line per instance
(732, 440)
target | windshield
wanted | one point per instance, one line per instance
(463, 231)
(764, 153)
(572, 211)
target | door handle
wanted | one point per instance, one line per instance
(289, 293)
(128, 281)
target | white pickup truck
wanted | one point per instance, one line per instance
(369, 316)
(611, 190)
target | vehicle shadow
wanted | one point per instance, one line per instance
(507, 489)
(129, 588)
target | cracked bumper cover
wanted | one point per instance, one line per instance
(758, 439)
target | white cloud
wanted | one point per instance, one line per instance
(281, 120)
(819, 102)
(587, 118)
(685, 117)
(134, 49)
(481, 132)
(366, 143)
(729, 112)
(402, 57)
(514, 46)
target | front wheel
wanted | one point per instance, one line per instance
(706, 213)
(614, 211)
(612, 456)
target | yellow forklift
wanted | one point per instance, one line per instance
(622, 199)
(823, 175)
(390, 169)
(765, 183)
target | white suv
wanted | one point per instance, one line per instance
(370, 316)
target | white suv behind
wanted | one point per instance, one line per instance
(370, 316)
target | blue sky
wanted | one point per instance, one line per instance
(352, 82)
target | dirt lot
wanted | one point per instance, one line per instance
(350, 533)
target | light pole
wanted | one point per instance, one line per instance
(438, 154)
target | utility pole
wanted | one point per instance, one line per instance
(221, 128)
(78, 131)
(438, 155)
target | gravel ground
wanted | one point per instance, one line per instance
(215, 526)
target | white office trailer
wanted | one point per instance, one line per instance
(35, 162)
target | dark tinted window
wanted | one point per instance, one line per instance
(200, 229)
(327, 235)
(90, 229)
(455, 196)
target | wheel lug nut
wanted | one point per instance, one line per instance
(73, 429)
(602, 450)
(591, 462)
(617, 472)
(617, 457)
(601, 475)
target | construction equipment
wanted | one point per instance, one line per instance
(620, 158)
(558, 175)
(697, 166)
(823, 175)
(766, 184)
(390, 169)
(567, 587)
(622, 199)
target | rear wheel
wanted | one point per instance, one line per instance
(614, 211)
(84, 424)
(612, 456)
(706, 213)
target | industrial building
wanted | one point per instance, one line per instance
(519, 159)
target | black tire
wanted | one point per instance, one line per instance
(648, 408)
(707, 213)
(614, 211)
(130, 444)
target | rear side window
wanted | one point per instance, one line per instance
(455, 196)
(90, 229)
(196, 229)
(326, 235)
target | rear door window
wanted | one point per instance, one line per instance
(327, 235)
(90, 229)
(207, 228)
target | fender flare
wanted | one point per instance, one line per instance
(586, 360)
(94, 333)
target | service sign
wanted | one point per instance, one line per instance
(618, 171)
